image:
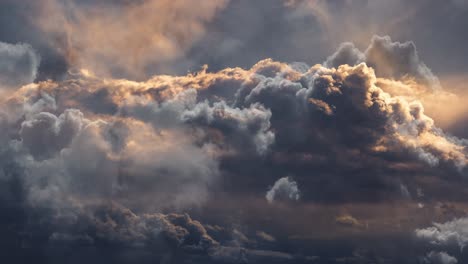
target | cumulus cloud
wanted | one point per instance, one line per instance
(449, 233)
(439, 258)
(389, 59)
(348, 97)
(89, 162)
(283, 189)
(241, 125)
(124, 160)
(18, 65)
(173, 137)
(170, 142)
(44, 134)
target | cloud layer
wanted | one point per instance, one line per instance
(96, 157)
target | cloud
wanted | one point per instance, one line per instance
(347, 105)
(123, 160)
(389, 59)
(180, 143)
(284, 30)
(18, 65)
(448, 233)
(265, 236)
(395, 59)
(44, 134)
(241, 125)
(293, 117)
(283, 189)
(95, 155)
(135, 38)
(117, 226)
(405, 192)
(439, 258)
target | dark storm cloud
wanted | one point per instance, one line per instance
(336, 116)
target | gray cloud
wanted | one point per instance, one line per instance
(283, 189)
(241, 125)
(172, 142)
(44, 134)
(162, 234)
(285, 30)
(449, 233)
(389, 59)
(439, 258)
(123, 161)
(91, 167)
(207, 127)
(18, 65)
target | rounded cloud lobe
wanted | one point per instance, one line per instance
(450, 233)
(283, 189)
(389, 59)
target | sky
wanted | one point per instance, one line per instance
(233, 131)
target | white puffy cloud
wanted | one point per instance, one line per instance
(449, 233)
(283, 189)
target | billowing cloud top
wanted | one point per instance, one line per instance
(173, 140)
(105, 158)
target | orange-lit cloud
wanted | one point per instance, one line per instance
(125, 39)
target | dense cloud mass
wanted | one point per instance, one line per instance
(157, 131)
(175, 140)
